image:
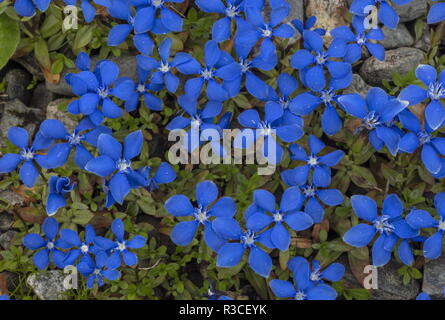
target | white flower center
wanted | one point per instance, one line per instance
(383, 225)
(141, 88)
(300, 295)
(201, 215)
(121, 246)
(27, 154)
(436, 91)
(74, 139)
(207, 74)
(312, 161)
(309, 191)
(157, 3)
(50, 245)
(102, 92)
(248, 238)
(232, 11)
(277, 217)
(164, 68)
(84, 248)
(315, 276)
(441, 225)
(320, 58)
(265, 129)
(123, 165)
(266, 32)
(97, 272)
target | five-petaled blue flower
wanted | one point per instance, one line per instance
(318, 275)
(390, 226)
(146, 18)
(308, 25)
(58, 188)
(79, 248)
(142, 89)
(180, 206)
(265, 213)
(97, 270)
(435, 111)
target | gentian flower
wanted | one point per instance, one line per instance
(120, 9)
(306, 102)
(81, 249)
(146, 17)
(50, 246)
(248, 34)
(334, 272)
(423, 296)
(436, 13)
(418, 219)
(376, 112)
(360, 39)
(287, 132)
(231, 253)
(232, 11)
(387, 15)
(390, 226)
(27, 8)
(142, 89)
(432, 147)
(97, 271)
(308, 25)
(207, 74)
(435, 111)
(9, 162)
(164, 174)
(96, 89)
(58, 187)
(115, 162)
(180, 206)
(163, 74)
(120, 247)
(88, 10)
(312, 61)
(4, 296)
(58, 155)
(321, 165)
(287, 214)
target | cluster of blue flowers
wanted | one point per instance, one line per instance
(324, 69)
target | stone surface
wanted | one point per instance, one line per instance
(11, 198)
(397, 38)
(47, 285)
(127, 68)
(358, 85)
(330, 14)
(52, 112)
(401, 60)
(15, 113)
(30, 63)
(412, 10)
(16, 82)
(434, 278)
(297, 12)
(6, 221)
(7, 238)
(41, 97)
(424, 43)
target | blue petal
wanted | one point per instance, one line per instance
(405, 253)
(227, 228)
(282, 289)
(28, 174)
(206, 192)
(380, 256)
(33, 241)
(212, 239)
(55, 202)
(260, 262)
(432, 248)
(330, 197)
(41, 259)
(392, 206)
(9, 162)
(18, 137)
(108, 146)
(265, 200)
(334, 272)
(299, 221)
(436, 13)
(224, 207)
(364, 207)
(230, 255)
(184, 232)
(359, 235)
(101, 166)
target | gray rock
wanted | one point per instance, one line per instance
(15, 113)
(7, 238)
(297, 12)
(48, 285)
(400, 37)
(390, 284)
(127, 68)
(41, 97)
(412, 10)
(424, 43)
(16, 82)
(401, 60)
(6, 221)
(358, 85)
(30, 63)
(11, 198)
(434, 278)
(53, 112)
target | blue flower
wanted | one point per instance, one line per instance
(58, 155)
(88, 10)
(27, 8)
(97, 271)
(58, 187)
(255, 29)
(287, 132)
(163, 74)
(146, 18)
(418, 219)
(310, 23)
(377, 112)
(387, 15)
(423, 296)
(436, 13)
(321, 165)
(265, 214)
(390, 226)
(231, 253)
(334, 272)
(215, 67)
(360, 39)
(115, 162)
(164, 174)
(121, 9)
(142, 89)
(306, 102)
(232, 11)
(96, 90)
(9, 162)
(49, 245)
(4, 296)
(434, 112)
(180, 206)
(312, 62)
(120, 247)
(432, 147)
(83, 249)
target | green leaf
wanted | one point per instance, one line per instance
(9, 38)
(83, 37)
(362, 177)
(42, 54)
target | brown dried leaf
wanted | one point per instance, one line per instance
(31, 215)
